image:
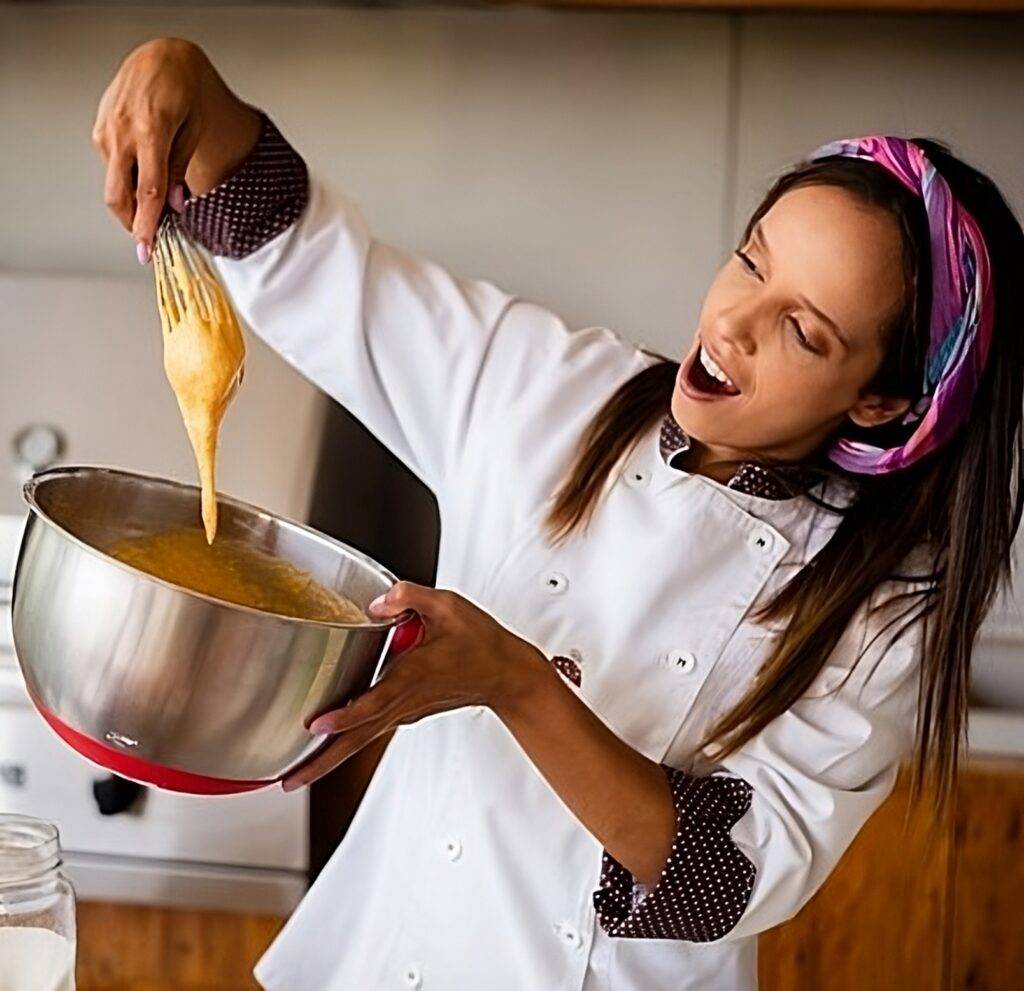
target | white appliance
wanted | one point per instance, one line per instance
(81, 381)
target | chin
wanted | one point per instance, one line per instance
(706, 424)
(693, 417)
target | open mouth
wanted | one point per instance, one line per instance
(704, 379)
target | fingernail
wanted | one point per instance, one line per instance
(378, 603)
(319, 728)
(142, 252)
(289, 785)
(176, 198)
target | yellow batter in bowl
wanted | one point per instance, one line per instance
(233, 572)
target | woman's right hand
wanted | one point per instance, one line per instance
(167, 117)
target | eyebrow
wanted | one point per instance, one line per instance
(757, 234)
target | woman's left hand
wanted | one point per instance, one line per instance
(463, 657)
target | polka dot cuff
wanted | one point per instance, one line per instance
(706, 883)
(568, 669)
(261, 200)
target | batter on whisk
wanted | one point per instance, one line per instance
(204, 352)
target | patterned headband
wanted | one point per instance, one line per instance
(961, 323)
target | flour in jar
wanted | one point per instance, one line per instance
(35, 959)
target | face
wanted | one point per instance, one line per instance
(795, 321)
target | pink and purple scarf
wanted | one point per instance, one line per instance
(961, 321)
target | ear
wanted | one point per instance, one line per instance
(872, 410)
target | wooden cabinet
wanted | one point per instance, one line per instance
(909, 908)
(915, 908)
(880, 919)
(986, 932)
(740, 6)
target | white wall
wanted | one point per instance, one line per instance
(805, 80)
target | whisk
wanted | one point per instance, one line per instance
(204, 351)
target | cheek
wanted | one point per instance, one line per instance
(802, 392)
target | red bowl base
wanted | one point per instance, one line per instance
(143, 771)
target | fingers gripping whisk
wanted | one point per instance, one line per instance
(184, 277)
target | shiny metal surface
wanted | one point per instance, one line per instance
(168, 675)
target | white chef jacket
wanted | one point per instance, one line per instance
(463, 869)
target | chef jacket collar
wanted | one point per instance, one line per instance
(781, 482)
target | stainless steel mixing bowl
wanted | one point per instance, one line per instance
(163, 684)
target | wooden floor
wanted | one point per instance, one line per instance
(908, 909)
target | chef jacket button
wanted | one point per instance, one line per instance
(554, 582)
(412, 977)
(760, 540)
(569, 935)
(682, 660)
(452, 848)
(635, 477)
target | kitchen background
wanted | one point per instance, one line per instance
(602, 162)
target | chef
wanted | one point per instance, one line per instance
(678, 646)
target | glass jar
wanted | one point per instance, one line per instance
(37, 908)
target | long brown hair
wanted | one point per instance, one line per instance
(961, 506)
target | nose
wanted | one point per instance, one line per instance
(736, 327)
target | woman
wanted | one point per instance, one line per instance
(696, 614)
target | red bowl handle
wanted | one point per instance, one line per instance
(406, 634)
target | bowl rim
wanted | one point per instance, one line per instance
(29, 495)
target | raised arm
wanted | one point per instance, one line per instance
(394, 338)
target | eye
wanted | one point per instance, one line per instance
(802, 338)
(746, 261)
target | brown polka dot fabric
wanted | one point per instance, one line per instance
(261, 200)
(568, 669)
(705, 885)
(782, 482)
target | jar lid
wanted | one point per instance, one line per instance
(29, 848)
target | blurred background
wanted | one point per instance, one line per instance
(601, 158)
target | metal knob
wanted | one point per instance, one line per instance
(36, 446)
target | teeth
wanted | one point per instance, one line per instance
(713, 370)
